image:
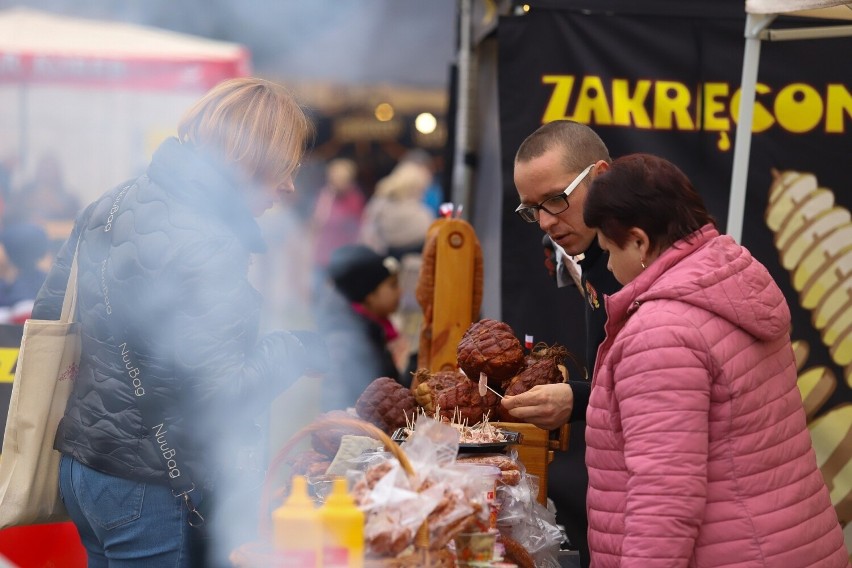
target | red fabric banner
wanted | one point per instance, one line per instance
(129, 73)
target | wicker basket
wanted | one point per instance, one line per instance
(262, 553)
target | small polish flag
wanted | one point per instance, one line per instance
(528, 341)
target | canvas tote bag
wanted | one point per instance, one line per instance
(44, 378)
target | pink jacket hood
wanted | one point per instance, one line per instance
(721, 277)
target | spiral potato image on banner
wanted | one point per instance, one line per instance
(813, 236)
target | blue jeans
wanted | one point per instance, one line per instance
(124, 523)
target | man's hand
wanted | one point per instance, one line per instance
(545, 406)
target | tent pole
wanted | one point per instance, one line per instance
(462, 167)
(755, 23)
(807, 33)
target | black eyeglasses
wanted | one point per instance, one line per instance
(554, 205)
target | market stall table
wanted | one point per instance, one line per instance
(454, 304)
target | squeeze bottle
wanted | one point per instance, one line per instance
(296, 529)
(342, 529)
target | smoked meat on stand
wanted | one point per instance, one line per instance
(440, 482)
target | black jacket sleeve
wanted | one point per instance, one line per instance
(582, 390)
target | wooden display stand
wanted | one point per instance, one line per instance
(452, 314)
(453, 309)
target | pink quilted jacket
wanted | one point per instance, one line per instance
(697, 447)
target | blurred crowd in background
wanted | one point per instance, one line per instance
(37, 215)
(334, 205)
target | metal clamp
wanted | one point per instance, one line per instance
(195, 518)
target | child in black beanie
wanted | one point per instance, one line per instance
(354, 318)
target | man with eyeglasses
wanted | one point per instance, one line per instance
(554, 167)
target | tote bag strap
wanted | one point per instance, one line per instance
(69, 303)
(153, 416)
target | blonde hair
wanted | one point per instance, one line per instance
(253, 123)
(408, 180)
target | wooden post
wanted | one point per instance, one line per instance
(453, 296)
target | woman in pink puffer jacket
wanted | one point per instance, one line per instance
(697, 447)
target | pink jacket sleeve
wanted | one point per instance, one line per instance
(662, 389)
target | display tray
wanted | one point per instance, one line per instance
(400, 436)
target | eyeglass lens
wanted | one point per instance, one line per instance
(557, 203)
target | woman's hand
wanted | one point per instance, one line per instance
(545, 406)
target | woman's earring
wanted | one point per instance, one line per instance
(642, 262)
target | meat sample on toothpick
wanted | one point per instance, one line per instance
(490, 346)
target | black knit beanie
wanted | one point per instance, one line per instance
(357, 270)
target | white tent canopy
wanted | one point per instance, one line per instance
(24, 30)
(759, 16)
(99, 95)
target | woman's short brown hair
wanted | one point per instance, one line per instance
(648, 192)
(250, 122)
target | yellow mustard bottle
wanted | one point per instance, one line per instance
(297, 529)
(342, 529)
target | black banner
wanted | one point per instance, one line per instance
(668, 84)
(10, 342)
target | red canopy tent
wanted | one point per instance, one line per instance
(99, 95)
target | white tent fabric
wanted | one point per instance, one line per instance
(759, 16)
(786, 6)
(25, 30)
(98, 95)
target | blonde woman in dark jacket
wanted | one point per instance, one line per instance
(170, 326)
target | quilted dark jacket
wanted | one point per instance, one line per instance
(163, 270)
(358, 352)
